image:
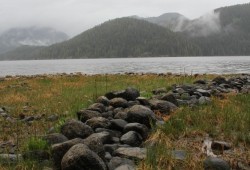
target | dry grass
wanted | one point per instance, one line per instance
(227, 120)
(64, 95)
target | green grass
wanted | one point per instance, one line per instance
(65, 95)
(227, 120)
(36, 143)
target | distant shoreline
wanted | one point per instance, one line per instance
(104, 58)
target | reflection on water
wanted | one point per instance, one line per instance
(189, 65)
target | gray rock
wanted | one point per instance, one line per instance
(131, 138)
(220, 80)
(13, 120)
(226, 86)
(76, 129)
(179, 154)
(141, 114)
(1, 110)
(84, 115)
(113, 133)
(179, 90)
(170, 98)
(29, 119)
(95, 144)
(204, 100)
(115, 140)
(81, 157)
(223, 90)
(53, 118)
(55, 138)
(116, 162)
(162, 106)
(104, 100)
(132, 103)
(59, 150)
(117, 110)
(99, 107)
(6, 159)
(108, 115)
(118, 124)
(128, 94)
(110, 148)
(3, 114)
(245, 89)
(200, 82)
(131, 152)
(137, 127)
(108, 156)
(159, 91)
(143, 101)
(119, 102)
(243, 166)
(215, 164)
(121, 115)
(98, 122)
(104, 137)
(114, 94)
(204, 92)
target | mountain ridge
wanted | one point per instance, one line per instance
(224, 31)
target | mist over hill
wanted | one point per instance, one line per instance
(172, 21)
(224, 31)
(30, 36)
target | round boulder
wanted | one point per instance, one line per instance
(119, 102)
(118, 161)
(104, 100)
(162, 106)
(137, 127)
(131, 94)
(84, 115)
(118, 124)
(98, 122)
(215, 164)
(55, 138)
(81, 157)
(76, 129)
(131, 138)
(99, 107)
(170, 98)
(141, 114)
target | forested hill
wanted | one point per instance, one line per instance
(123, 37)
(233, 38)
(226, 31)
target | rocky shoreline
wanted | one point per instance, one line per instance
(110, 134)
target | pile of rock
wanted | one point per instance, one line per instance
(110, 133)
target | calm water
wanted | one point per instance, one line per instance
(189, 65)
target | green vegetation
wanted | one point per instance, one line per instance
(130, 37)
(227, 119)
(234, 37)
(123, 37)
(36, 143)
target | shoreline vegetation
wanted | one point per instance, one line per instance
(32, 107)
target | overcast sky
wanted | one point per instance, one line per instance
(75, 16)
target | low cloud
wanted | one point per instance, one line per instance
(76, 16)
(204, 26)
